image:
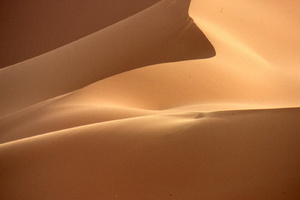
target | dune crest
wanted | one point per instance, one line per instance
(148, 37)
(182, 100)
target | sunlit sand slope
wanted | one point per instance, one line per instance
(216, 155)
(183, 100)
(158, 34)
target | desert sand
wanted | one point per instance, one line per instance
(170, 99)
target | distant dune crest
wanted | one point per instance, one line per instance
(167, 99)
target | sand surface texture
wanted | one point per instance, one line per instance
(171, 99)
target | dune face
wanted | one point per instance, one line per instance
(218, 155)
(40, 26)
(181, 100)
(148, 37)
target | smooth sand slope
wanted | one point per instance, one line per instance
(40, 26)
(148, 37)
(183, 100)
(188, 155)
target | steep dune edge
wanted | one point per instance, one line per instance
(226, 127)
(143, 39)
(231, 154)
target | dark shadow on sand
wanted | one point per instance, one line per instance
(188, 44)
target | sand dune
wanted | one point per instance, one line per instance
(146, 38)
(40, 26)
(182, 100)
(218, 155)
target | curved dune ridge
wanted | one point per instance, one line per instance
(182, 100)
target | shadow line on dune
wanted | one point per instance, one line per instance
(162, 33)
(188, 44)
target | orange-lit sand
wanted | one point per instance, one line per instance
(182, 100)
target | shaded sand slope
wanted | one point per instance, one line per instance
(30, 28)
(161, 33)
(105, 117)
(241, 73)
(217, 155)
